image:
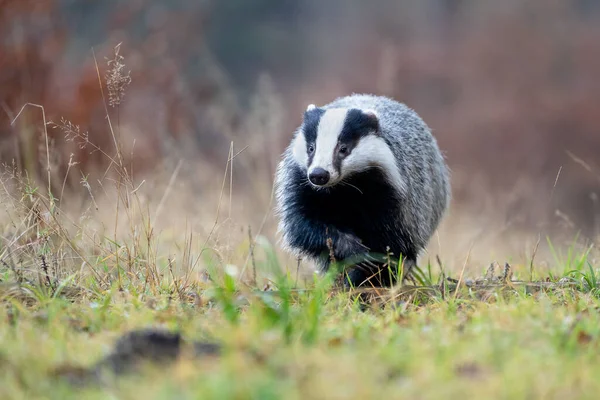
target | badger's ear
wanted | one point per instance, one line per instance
(371, 113)
(309, 110)
(372, 118)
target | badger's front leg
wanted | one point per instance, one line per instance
(377, 274)
(312, 238)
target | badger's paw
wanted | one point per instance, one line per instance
(368, 274)
(348, 245)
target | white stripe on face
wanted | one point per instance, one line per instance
(373, 151)
(330, 127)
(299, 149)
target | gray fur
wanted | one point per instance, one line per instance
(419, 158)
(426, 195)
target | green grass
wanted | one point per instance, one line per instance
(313, 342)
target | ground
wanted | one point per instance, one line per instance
(499, 338)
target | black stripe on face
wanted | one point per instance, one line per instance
(356, 126)
(310, 126)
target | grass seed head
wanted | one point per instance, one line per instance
(116, 78)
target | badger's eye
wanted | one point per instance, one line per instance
(311, 148)
(343, 150)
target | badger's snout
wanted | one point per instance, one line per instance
(319, 176)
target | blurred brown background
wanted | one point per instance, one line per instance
(510, 88)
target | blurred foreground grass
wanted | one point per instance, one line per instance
(315, 342)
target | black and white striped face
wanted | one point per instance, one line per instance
(334, 143)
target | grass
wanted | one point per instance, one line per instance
(72, 283)
(315, 343)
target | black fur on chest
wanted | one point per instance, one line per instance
(364, 204)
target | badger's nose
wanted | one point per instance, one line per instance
(319, 176)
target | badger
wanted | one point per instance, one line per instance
(362, 178)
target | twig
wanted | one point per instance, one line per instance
(168, 190)
(262, 224)
(112, 132)
(48, 169)
(252, 255)
(175, 281)
(463, 270)
(535, 249)
(442, 283)
(214, 226)
(299, 260)
(212, 230)
(531, 267)
(583, 164)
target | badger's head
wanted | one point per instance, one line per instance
(334, 143)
